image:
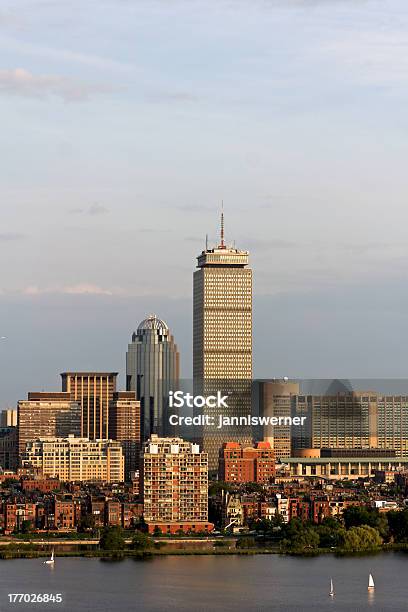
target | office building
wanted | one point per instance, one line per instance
(348, 468)
(47, 414)
(76, 459)
(8, 448)
(222, 340)
(152, 370)
(359, 419)
(8, 418)
(276, 399)
(124, 426)
(94, 391)
(246, 464)
(175, 486)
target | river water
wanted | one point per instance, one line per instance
(261, 582)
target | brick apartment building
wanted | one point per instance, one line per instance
(246, 464)
(175, 486)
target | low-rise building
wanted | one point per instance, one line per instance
(76, 459)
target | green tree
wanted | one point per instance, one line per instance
(398, 524)
(217, 486)
(141, 525)
(87, 522)
(331, 533)
(9, 482)
(266, 525)
(299, 536)
(356, 516)
(246, 542)
(112, 539)
(26, 527)
(141, 541)
(361, 538)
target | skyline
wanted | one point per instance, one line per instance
(125, 129)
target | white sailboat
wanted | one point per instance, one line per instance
(50, 561)
(370, 583)
(331, 588)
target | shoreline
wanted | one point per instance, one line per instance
(36, 553)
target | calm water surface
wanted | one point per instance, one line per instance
(264, 582)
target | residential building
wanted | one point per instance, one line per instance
(246, 464)
(175, 485)
(76, 459)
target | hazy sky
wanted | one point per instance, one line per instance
(125, 123)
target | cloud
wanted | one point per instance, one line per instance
(79, 289)
(259, 244)
(11, 236)
(85, 288)
(20, 82)
(176, 97)
(194, 208)
(194, 239)
(65, 55)
(151, 230)
(376, 58)
(95, 209)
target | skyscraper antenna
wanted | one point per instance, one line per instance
(206, 242)
(222, 245)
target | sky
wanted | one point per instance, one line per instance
(125, 124)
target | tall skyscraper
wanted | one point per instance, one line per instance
(175, 485)
(152, 370)
(45, 415)
(94, 391)
(222, 339)
(124, 426)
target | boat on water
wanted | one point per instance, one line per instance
(331, 593)
(51, 560)
(371, 583)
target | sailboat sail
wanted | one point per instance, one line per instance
(331, 588)
(370, 582)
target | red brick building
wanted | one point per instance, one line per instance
(67, 513)
(131, 514)
(45, 486)
(178, 527)
(246, 464)
(113, 513)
